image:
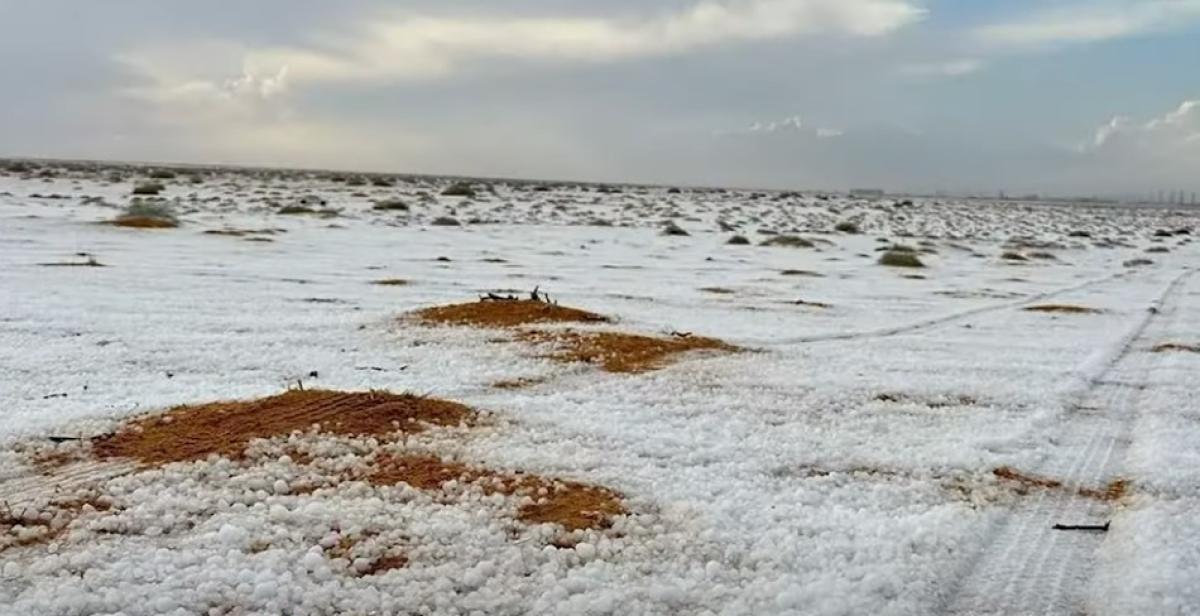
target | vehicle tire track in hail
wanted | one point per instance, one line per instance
(1028, 567)
(923, 324)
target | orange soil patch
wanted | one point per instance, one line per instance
(225, 428)
(143, 222)
(384, 564)
(1176, 346)
(622, 353)
(506, 313)
(391, 282)
(1061, 308)
(573, 505)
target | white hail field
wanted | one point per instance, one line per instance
(887, 440)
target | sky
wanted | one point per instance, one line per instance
(1083, 97)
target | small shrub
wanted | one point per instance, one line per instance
(1137, 262)
(675, 230)
(148, 188)
(789, 241)
(459, 189)
(1013, 256)
(390, 205)
(847, 226)
(144, 214)
(445, 221)
(162, 174)
(738, 240)
(900, 258)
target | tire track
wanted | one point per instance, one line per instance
(1027, 567)
(924, 324)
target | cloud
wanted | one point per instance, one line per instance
(948, 68)
(1089, 22)
(1172, 132)
(415, 47)
(791, 124)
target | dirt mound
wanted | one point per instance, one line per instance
(573, 505)
(622, 353)
(224, 428)
(506, 313)
(1061, 309)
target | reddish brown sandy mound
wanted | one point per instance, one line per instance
(143, 222)
(1177, 346)
(623, 353)
(572, 505)
(506, 313)
(224, 428)
(1061, 308)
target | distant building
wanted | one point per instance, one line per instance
(867, 193)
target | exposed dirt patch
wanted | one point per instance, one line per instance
(1061, 309)
(507, 313)
(26, 526)
(383, 564)
(225, 428)
(143, 222)
(518, 383)
(1114, 491)
(620, 352)
(1029, 481)
(718, 291)
(803, 302)
(1176, 346)
(573, 505)
(391, 282)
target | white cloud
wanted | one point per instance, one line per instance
(413, 47)
(791, 124)
(1174, 131)
(1089, 22)
(949, 68)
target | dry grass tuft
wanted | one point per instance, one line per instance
(1061, 309)
(518, 383)
(506, 314)
(391, 282)
(1030, 481)
(620, 352)
(225, 428)
(1115, 490)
